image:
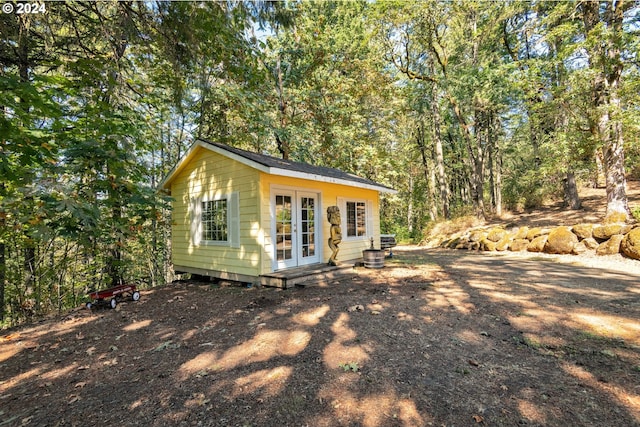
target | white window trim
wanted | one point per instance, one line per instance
(368, 205)
(200, 224)
(233, 221)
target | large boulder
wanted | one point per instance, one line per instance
(519, 245)
(488, 245)
(477, 236)
(604, 232)
(590, 243)
(630, 245)
(537, 244)
(579, 248)
(583, 231)
(534, 232)
(496, 234)
(520, 233)
(611, 246)
(560, 241)
(503, 244)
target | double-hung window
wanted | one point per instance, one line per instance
(356, 219)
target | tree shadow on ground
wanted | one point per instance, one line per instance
(435, 338)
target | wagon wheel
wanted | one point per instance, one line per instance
(135, 296)
(113, 303)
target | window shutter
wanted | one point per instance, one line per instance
(196, 219)
(234, 220)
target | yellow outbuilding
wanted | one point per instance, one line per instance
(240, 215)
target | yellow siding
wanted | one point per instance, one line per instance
(209, 174)
(350, 248)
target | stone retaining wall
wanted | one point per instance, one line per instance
(604, 239)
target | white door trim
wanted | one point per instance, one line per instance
(297, 258)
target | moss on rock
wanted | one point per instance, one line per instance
(560, 241)
(611, 246)
(604, 232)
(519, 245)
(583, 231)
(521, 233)
(630, 245)
(496, 234)
(537, 244)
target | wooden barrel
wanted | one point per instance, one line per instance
(373, 258)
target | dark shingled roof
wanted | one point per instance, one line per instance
(274, 162)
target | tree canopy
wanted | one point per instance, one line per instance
(462, 106)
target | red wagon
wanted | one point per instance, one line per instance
(110, 297)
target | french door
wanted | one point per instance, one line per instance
(295, 228)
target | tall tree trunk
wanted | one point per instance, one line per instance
(604, 59)
(477, 160)
(478, 157)
(281, 140)
(433, 206)
(496, 164)
(571, 197)
(492, 162)
(599, 173)
(29, 267)
(427, 169)
(478, 177)
(438, 151)
(410, 204)
(497, 182)
(114, 260)
(120, 43)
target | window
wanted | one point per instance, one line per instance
(214, 221)
(356, 219)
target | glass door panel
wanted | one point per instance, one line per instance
(284, 228)
(307, 226)
(295, 228)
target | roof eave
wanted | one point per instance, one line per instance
(331, 180)
(166, 182)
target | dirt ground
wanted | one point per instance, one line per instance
(593, 210)
(436, 338)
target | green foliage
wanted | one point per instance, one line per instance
(450, 103)
(351, 366)
(77, 209)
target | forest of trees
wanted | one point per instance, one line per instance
(465, 107)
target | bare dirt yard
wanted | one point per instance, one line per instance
(436, 338)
